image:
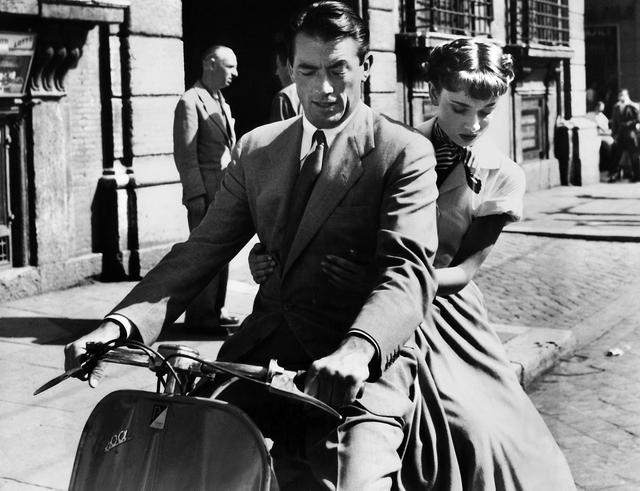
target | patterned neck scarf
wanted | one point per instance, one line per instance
(449, 154)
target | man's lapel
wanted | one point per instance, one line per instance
(284, 162)
(341, 169)
(212, 108)
(227, 114)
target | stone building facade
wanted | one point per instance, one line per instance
(90, 187)
(612, 45)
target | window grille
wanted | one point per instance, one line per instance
(5, 250)
(460, 17)
(540, 21)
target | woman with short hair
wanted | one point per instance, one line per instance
(500, 441)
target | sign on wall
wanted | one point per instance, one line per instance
(16, 54)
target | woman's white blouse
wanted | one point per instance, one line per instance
(502, 192)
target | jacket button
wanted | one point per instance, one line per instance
(286, 307)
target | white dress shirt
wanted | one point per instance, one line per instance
(329, 133)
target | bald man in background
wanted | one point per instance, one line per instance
(203, 136)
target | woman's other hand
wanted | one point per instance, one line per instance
(261, 264)
(348, 274)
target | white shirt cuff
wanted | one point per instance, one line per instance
(126, 326)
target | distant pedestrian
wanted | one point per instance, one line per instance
(286, 103)
(625, 125)
(203, 136)
(604, 132)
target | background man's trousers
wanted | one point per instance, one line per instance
(204, 311)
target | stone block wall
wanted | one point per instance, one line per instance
(67, 161)
(576, 42)
(586, 159)
(82, 107)
(155, 76)
(64, 128)
(383, 26)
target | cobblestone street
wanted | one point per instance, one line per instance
(590, 401)
(549, 282)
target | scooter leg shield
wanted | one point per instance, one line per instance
(137, 440)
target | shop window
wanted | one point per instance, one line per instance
(533, 128)
(16, 52)
(5, 251)
(5, 209)
(459, 17)
(544, 22)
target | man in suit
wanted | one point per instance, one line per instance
(286, 103)
(625, 126)
(203, 137)
(374, 193)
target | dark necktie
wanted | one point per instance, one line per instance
(307, 177)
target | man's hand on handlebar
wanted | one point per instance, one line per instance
(338, 378)
(73, 352)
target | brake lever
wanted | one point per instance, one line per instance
(86, 366)
(87, 361)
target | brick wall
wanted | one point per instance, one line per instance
(82, 110)
(67, 160)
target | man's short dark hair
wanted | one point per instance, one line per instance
(281, 47)
(330, 20)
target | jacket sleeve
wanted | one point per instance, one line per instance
(166, 291)
(406, 246)
(185, 149)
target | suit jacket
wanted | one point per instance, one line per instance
(376, 195)
(285, 104)
(202, 141)
(625, 121)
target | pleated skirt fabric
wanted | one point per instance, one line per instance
(494, 439)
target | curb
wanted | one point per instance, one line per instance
(537, 350)
(604, 235)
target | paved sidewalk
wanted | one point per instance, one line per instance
(591, 403)
(598, 212)
(40, 434)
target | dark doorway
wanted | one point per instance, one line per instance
(14, 210)
(601, 61)
(249, 28)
